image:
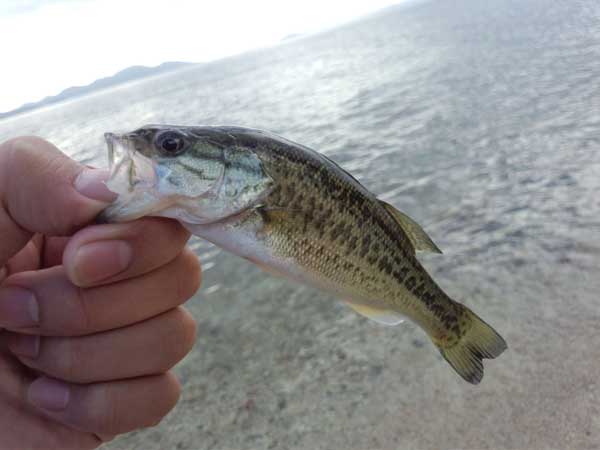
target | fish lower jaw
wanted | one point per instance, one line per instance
(131, 207)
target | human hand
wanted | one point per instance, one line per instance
(92, 320)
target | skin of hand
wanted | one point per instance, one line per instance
(91, 320)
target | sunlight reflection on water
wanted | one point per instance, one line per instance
(483, 126)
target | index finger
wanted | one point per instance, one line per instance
(103, 254)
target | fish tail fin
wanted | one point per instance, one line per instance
(478, 341)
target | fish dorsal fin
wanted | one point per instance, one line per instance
(382, 316)
(417, 236)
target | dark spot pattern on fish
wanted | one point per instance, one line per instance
(428, 298)
(349, 229)
(401, 274)
(419, 290)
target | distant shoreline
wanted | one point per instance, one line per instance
(132, 73)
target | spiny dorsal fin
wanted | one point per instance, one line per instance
(417, 236)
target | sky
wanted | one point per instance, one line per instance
(49, 45)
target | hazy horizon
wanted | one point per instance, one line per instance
(477, 119)
(199, 33)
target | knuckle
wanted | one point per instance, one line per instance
(174, 391)
(140, 231)
(188, 328)
(166, 398)
(171, 230)
(179, 338)
(50, 174)
(190, 278)
(24, 153)
(107, 419)
(22, 145)
(115, 413)
(7, 153)
(7, 147)
(74, 319)
(84, 318)
(157, 232)
(66, 356)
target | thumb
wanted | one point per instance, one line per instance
(44, 191)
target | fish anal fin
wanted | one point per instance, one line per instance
(417, 236)
(381, 316)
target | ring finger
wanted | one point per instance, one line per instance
(147, 348)
(106, 409)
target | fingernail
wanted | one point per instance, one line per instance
(100, 260)
(24, 345)
(18, 308)
(49, 394)
(92, 184)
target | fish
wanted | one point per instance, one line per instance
(295, 213)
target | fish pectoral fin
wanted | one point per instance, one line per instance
(417, 236)
(381, 316)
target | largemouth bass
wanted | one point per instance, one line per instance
(296, 213)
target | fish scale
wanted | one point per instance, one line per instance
(294, 212)
(337, 229)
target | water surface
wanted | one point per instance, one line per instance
(479, 119)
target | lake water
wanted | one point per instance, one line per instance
(479, 119)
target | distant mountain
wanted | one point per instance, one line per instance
(125, 75)
(292, 36)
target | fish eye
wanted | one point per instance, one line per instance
(170, 143)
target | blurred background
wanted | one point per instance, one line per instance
(481, 120)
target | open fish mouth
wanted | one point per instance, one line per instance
(129, 169)
(134, 177)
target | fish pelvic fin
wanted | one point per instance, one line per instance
(479, 341)
(419, 239)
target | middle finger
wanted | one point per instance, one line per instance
(46, 303)
(103, 254)
(147, 348)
